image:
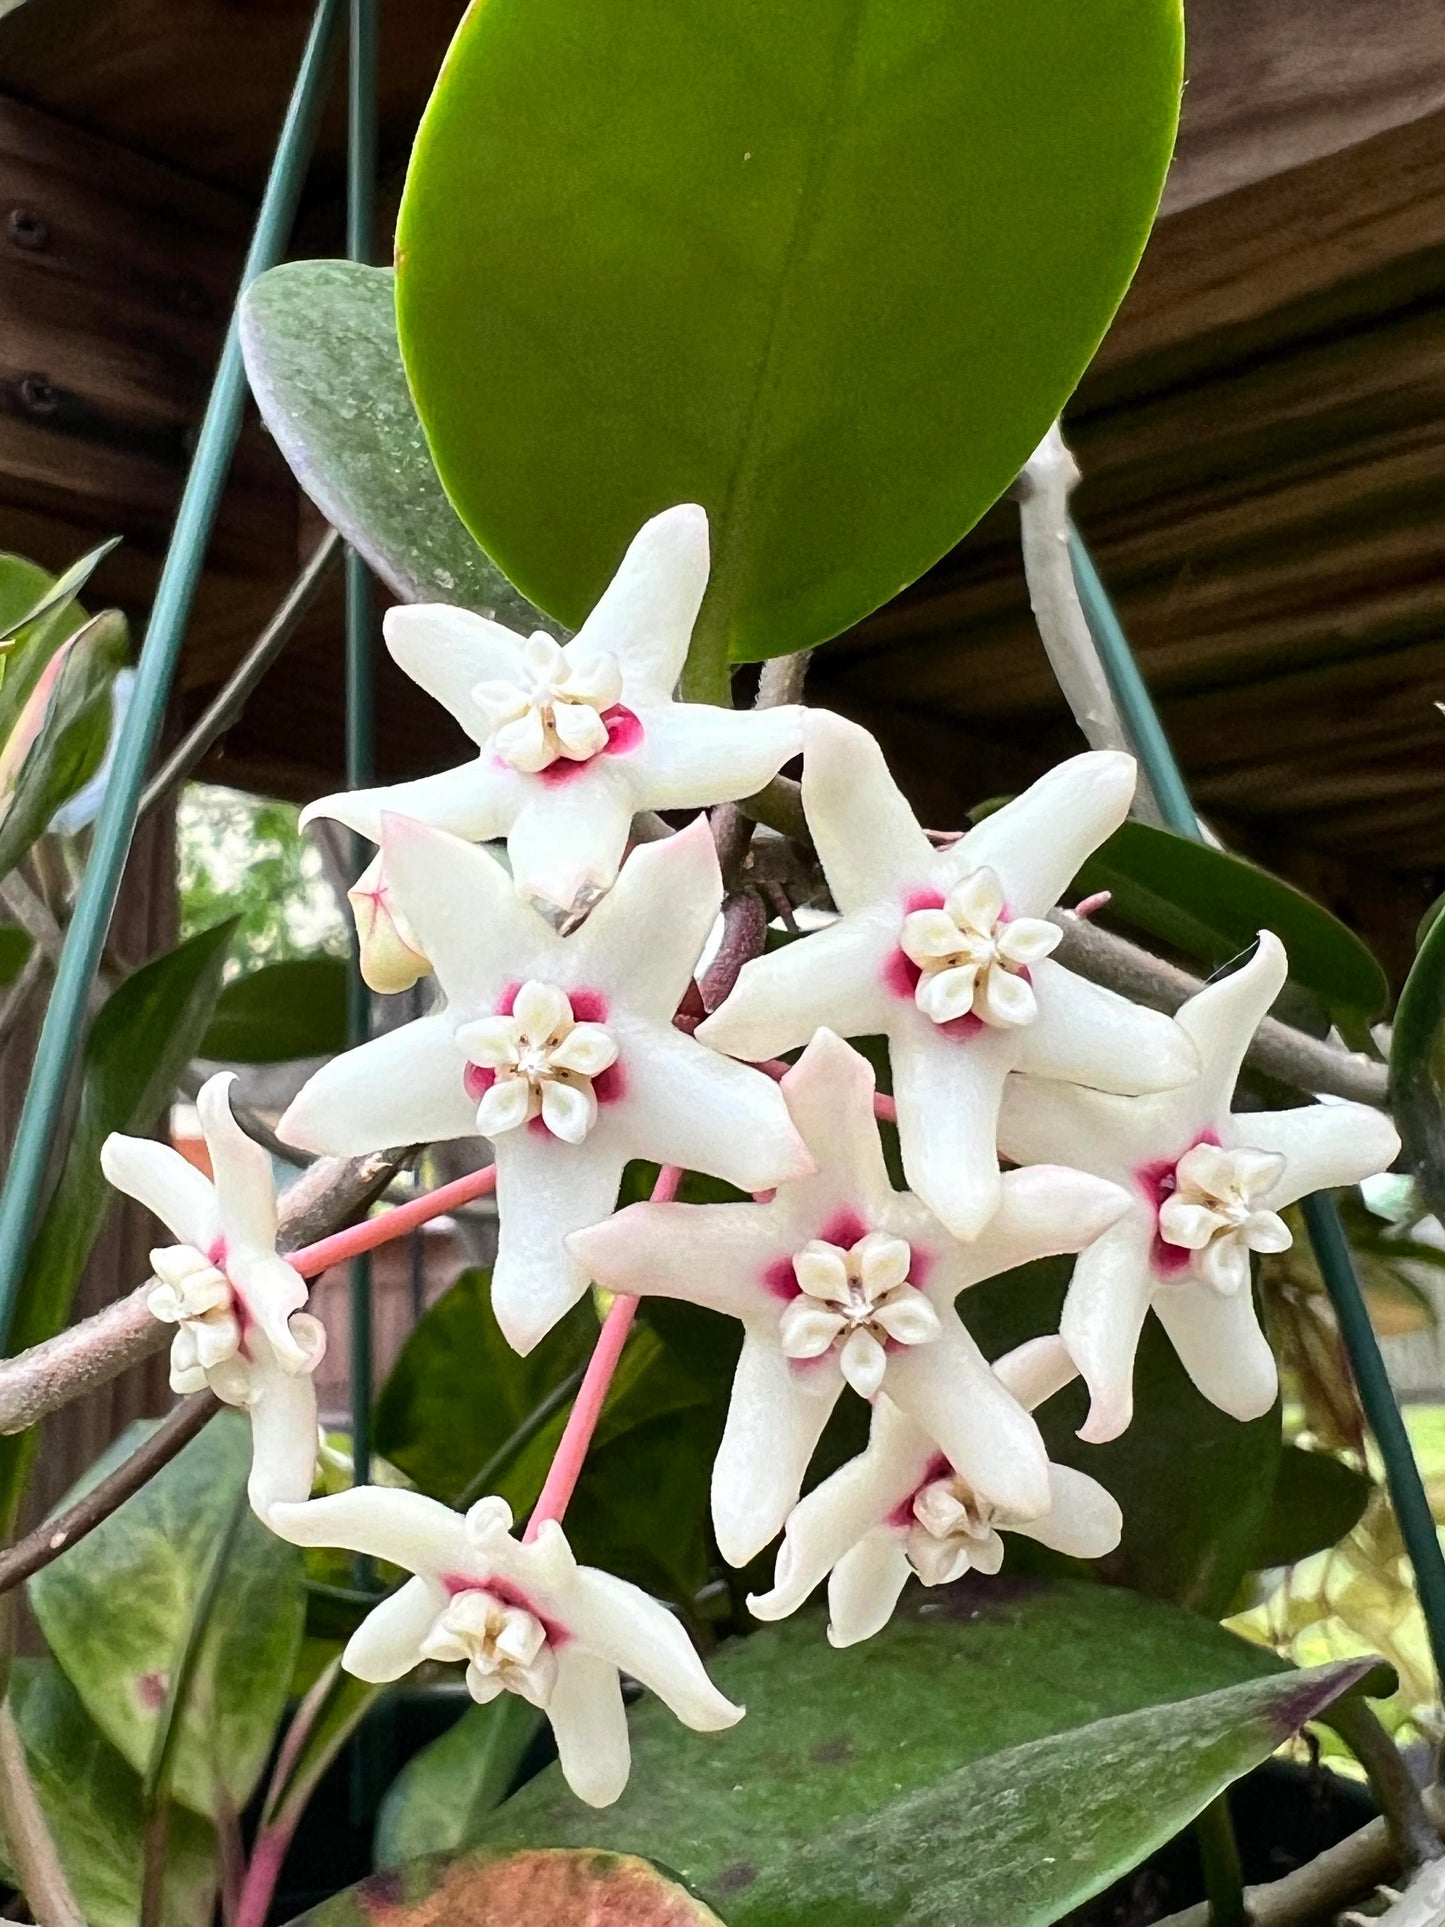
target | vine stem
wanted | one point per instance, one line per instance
(311, 1260)
(571, 1453)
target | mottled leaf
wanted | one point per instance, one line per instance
(444, 1793)
(537, 1889)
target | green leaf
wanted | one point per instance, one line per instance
(1212, 905)
(15, 948)
(1318, 1499)
(540, 1889)
(92, 1803)
(55, 595)
(145, 1035)
(321, 350)
(71, 740)
(153, 1555)
(30, 640)
(282, 1011)
(1417, 1067)
(998, 1754)
(829, 269)
(443, 1794)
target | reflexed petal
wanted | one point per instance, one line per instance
(477, 800)
(1043, 1210)
(948, 994)
(283, 1438)
(579, 729)
(947, 1389)
(773, 1425)
(976, 901)
(820, 1271)
(1224, 1265)
(686, 1105)
(1029, 940)
(546, 1189)
(568, 1110)
(245, 1189)
(865, 1586)
(864, 1362)
(866, 836)
(715, 1255)
(448, 651)
(589, 1723)
(1083, 1519)
(909, 1320)
(462, 905)
(404, 1087)
(1323, 1145)
(1039, 841)
(1220, 1021)
(169, 1187)
(1190, 1226)
(947, 1090)
(405, 1528)
(540, 1009)
(1007, 999)
(1084, 1034)
(836, 980)
(619, 1623)
(646, 613)
(387, 1643)
(587, 1049)
(1037, 1369)
(1221, 1346)
(693, 754)
(672, 890)
(504, 1106)
(216, 1339)
(1104, 1313)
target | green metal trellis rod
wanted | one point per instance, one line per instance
(63, 1031)
(1327, 1233)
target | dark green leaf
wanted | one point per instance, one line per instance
(71, 741)
(442, 1795)
(321, 350)
(1417, 1067)
(1317, 1500)
(284, 1010)
(829, 269)
(92, 1803)
(144, 1036)
(153, 1555)
(998, 1754)
(539, 1889)
(15, 947)
(1211, 905)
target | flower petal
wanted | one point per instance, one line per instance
(477, 800)
(1028, 940)
(1220, 1021)
(282, 1406)
(1039, 841)
(1007, 999)
(245, 1189)
(867, 837)
(1045, 1122)
(1103, 1315)
(464, 909)
(947, 1090)
(619, 1623)
(389, 957)
(448, 651)
(1221, 1346)
(829, 1093)
(587, 1049)
(646, 613)
(688, 1105)
(567, 841)
(865, 1588)
(1190, 1226)
(1083, 1520)
(504, 1106)
(387, 1643)
(568, 1110)
(385, 1522)
(168, 1185)
(833, 979)
(774, 1423)
(404, 1087)
(672, 891)
(1323, 1145)
(950, 1393)
(1085, 1034)
(693, 753)
(714, 1255)
(1035, 1370)
(1224, 1265)
(546, 1189)
(589, 1723)
(947, 995)
(1043, 1210)
(863, 1362)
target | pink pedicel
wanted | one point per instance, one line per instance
(901, 1517)
(1158, 1182)
(506, 1594)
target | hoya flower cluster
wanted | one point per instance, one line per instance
(560, 975)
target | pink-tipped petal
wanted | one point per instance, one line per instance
(1038, 842)
(829, 1094)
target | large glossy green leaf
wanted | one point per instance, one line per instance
(117, 1611)
(535, 1889)
(997, 1754)
(1417, 1066)
(321, 350)
(829, 268)
(70, 742)
(1211, 905)
(1317, 1500)
(145, 1035)
(92, 1803)
(284, 1010)
(444, 1793)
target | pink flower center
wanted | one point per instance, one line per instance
(1159, 1182)
(624, 734)
(507, 1594)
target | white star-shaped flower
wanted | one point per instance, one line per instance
(841, 1279)
(525, 1618)
(562, 1050)
(946, 953)
(573, 741)
(1206, 1187)
(901, 1508)
(237, 1306)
